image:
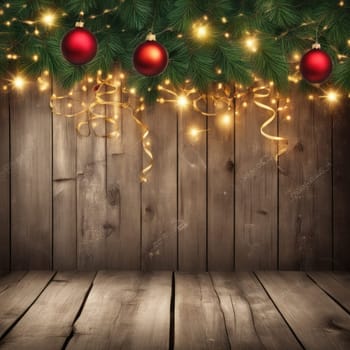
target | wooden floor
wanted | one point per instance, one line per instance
(165, 310)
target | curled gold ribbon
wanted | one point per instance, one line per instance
(55, 100)
(261, 93)
(145, 145)
(105, 88)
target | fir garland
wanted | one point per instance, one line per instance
(282, 29)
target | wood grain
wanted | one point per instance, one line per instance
(4, 183)
(341, 186)
(123, 194)
(125, 310)
(31, 180)
(199, 320)
(317, 321)
(192, 172)
(64, 187)
(305, 190)
(220, 190)
(256, 191)
(49, 321)
(251, 318)
(18, 291)
(336, 284)
(159, 202)
(93, 229)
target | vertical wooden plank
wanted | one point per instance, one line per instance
(64, 189)
(31, 179)
(256, 190)
(192, 172)
(305, 187)
(4, 183)
(341, 186)
(220, 191)
(159, 202)
(123, 194)
(92, 229)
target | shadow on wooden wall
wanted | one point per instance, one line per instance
(220, 202)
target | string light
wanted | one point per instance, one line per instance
(226, 120)
(194, 132)
(48, 19)
(18, 82)
(332, 96)
(251, 44)
(182, 101)
(200, 31)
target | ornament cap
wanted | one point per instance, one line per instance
(316, 46)
(79, 24)
(151, 37)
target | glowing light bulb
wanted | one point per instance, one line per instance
(200, 31)
(226, 120)
(251, 44)
(288, 117)
(297, 56)
(194, 132)
(332, 96)
(35, 58)
(182, 101)
(48, 19)
(18, 82)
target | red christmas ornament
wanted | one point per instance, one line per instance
(79, 46)
(150, 57)
(316, 65)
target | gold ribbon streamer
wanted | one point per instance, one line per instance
(53, 105)
(261, 93)
(146, 148)
(105, 88)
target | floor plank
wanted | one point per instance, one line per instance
(317, 320)
(125, 310)
(18, 291)
(199, 320)
(49, 321)
(336, 284)
(252, 320)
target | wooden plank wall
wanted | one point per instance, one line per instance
(217, 202)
